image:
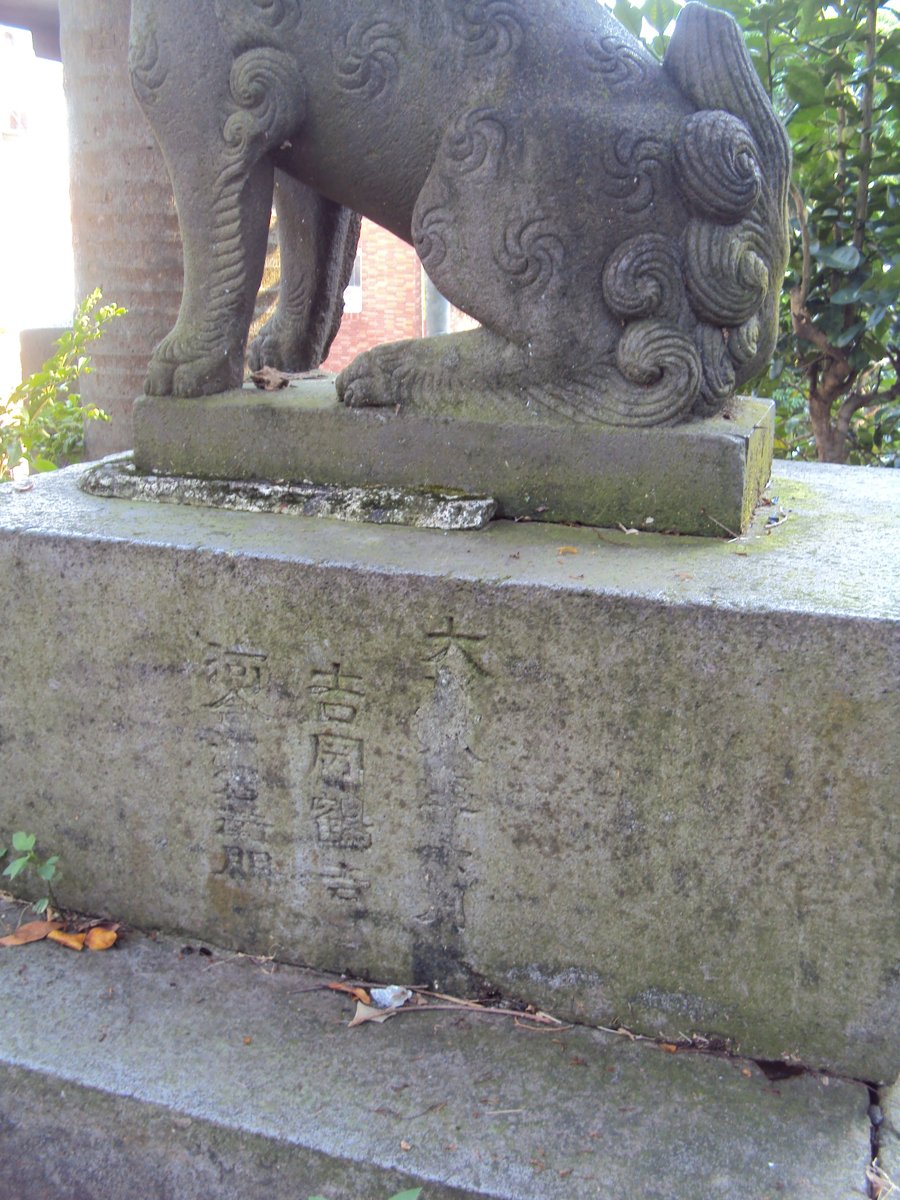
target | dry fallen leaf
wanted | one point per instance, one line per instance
(365, 1013)
(99, 938)
(357, 993)
(74, 941)
(567, 550)
(745, 1071)
(269, 379)
(669, 1047)
(405, 1146)
(33, 931)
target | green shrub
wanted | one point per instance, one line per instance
(42, 422)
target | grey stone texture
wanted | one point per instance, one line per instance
(617, 225)
(173, 1077)
(424, 508)
(699, 478)
(889, 1132)
(630, 778)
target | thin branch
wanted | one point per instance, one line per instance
(858, 400)
(800, 209)
(861, 214)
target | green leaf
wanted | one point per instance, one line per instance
(48, 869)
(16, 867)
(23, 842)
(847, 335)
(660, 13)
(40, 906)
(414, 1194)
(839, 258)
(629, 15)
(804, 85)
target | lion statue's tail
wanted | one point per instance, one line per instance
(732, 163)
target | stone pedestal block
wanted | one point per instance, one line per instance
(626, 777)
(700, 478)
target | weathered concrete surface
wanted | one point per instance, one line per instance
(628, 778)
(116, 478)
(700, 478)
(171, 1078)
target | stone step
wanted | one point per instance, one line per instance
(626, 777)
(147, 1072)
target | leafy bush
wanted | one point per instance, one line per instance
(42, 422)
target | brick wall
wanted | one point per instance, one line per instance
(391, 298)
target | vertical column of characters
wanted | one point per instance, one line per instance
(337, 779)
(235, 678)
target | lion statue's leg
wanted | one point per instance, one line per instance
(222, 177)
(317, 241)
(224, 262)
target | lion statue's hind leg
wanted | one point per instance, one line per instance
(317, 241)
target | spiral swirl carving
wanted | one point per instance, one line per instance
(642, 278)
(148, 68)
(725, 271)
(430, 233)
(631, 169)
(531, 254)
(743, 344)
(718, 371)
(665, 365)
(278, 12)
(490, 28)
(717, 166)
(477, 140)
(270, 102)
(617, 61)
(368, 58)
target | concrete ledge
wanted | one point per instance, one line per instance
(623, 777)
(701, 478)
(165, 1076)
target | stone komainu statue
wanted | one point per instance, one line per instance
(617, 225)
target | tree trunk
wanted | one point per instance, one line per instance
(123, 215)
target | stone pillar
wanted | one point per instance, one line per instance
(123, 214)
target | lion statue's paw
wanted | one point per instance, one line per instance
(378, 378)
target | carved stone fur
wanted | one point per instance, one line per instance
(617, 226)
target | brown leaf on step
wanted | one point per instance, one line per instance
(358, 993)
(567, 550)
(669, 1047)
(75, 941)
(269, 379)
(365, 1013)
(683, 576)
(33, 931)
(99, 938)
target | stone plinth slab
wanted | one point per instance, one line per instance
(630, 778)
(169, 1076)
(700, 478)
